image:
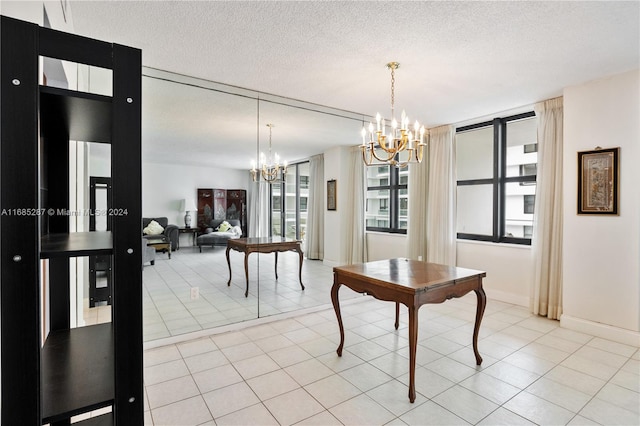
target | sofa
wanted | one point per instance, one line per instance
(169, 235)
(213, 236)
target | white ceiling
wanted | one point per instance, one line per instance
(459, 60)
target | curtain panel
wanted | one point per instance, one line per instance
(259, 209)
(355, 206)
(547, 217)
(441, 194)
(432, 201)
(315, 220)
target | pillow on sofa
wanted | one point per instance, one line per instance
(153, 228)
(237, 231)
(224, 226)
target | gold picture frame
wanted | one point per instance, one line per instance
(598, 177)
(332, 194)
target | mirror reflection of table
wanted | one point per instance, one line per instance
(263, 245)
(412, 283)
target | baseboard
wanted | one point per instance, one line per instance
(507, 297)
(616, 334)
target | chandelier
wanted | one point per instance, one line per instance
(401, 146)
(270, 169)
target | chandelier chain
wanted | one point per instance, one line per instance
(393, 84)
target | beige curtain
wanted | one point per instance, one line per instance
(432, 201)
(259, 209)
(418, 211)
(356, 243)
(547, 230)
(315, 221)
(441, 220)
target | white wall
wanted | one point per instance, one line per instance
(385, 246)
(601, 254)
(336, 166)
(509, 268)
(165, 185)
(30, 11)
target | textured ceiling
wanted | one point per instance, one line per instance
(459, 60)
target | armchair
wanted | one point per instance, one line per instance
(170, 234)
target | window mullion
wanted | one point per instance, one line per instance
(393, 197)
(497, 193)
(503, 173)
(297, 202)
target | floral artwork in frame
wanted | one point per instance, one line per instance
(598, 178)
(331, 195)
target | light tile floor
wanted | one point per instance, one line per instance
(170, 311)
(287, 372)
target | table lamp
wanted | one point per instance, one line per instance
(188, 205)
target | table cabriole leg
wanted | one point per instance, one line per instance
(482, 303)
(413, 343)
(336, 307)
(228, 264)
(276, 264)
(246, 273)
(300, 266)
(397, 323)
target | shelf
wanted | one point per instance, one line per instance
(77, 371)
(102, 420)
(76, 244)
(80, 115)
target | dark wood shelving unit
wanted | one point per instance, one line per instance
(73, 370)
(76, 244)
(77, 366)
(83, 116)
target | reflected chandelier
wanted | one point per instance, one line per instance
(399, 148)
(270, 171)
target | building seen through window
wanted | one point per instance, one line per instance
(387, 199)
(289, 203)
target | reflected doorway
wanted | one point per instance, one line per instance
(100, 267)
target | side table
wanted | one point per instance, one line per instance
(192, 231)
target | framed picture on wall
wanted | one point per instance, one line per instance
(331, 194)
(598, 181)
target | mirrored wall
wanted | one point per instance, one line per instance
(200, 134)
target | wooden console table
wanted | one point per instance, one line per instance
(192, 231)
(263, 245)
(413, 284)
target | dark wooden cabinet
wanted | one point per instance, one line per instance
(237, 207)
(77, 370)
(205, 208)
(222, 204)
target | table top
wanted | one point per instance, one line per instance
(407, 275)
(262, 241)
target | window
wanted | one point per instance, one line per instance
(289, 203)
(529, 201)
(387, 197)
(497, 166)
